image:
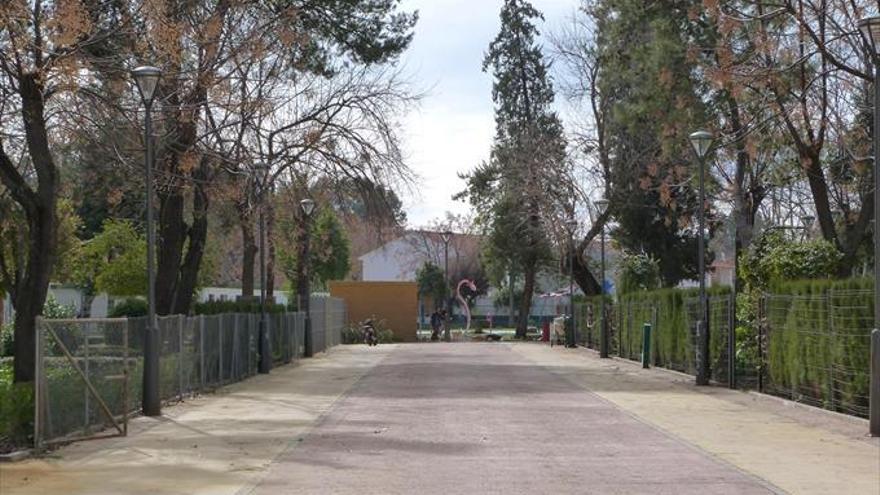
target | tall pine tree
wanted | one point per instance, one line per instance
(516, 188)
(647, 78)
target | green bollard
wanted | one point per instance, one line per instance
(646, 346)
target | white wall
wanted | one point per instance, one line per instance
(396, 261)
(232, 293)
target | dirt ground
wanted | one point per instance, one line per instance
(468, 418)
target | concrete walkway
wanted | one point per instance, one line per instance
(215, 444)
(468, 418)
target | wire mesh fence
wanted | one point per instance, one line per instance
(815, 348)
(812, 348)
(90, 371)
(82, 372)
(720, 316)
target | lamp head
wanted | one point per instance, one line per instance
(572, 224)
(807, 220)
(308, 206)
(147, 78)
(446, 235)
(601, 206)
(701, 141)
(870, 28)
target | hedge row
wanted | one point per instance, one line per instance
(673, 314)
(818, 342)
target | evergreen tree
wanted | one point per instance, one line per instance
(514, 189)
(647, 77)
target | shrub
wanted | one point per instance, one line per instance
(16, 408)
(131, 307)
(638, 272)
(354, 334)
(53, 310)
(241, 306)
(7, 334)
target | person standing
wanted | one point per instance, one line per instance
(436, 323)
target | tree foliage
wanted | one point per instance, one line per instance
(329, 249)
(516, 191)
(637, 272)
(432, 283)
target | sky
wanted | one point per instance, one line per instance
(451, 131)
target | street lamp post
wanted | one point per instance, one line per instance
(604, 343)
(147, 78)
(701, 142)
(870, 28)
(447, 236)
(308, 206)
(265, 364)
(572, 226)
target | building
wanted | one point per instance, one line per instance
(399, 260)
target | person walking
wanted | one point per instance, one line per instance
(436, 323)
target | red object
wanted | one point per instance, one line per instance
(545, 332)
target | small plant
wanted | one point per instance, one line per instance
(7, 335)
(132, 307)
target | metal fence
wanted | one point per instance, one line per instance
(812, 348)
(816, 349)
(90, 371)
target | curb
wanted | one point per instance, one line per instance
(17, 456)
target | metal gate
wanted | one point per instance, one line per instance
(82, 380)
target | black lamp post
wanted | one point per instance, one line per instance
(308, 206)
(265, 364)
(701, 142)
(604, 338)
(147, 78)
(447, 236)
(572, 338)
(870, 28)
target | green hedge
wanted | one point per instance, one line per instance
(672, 319)
(221, 307)
(818, 339)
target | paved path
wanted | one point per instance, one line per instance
(479, 418)
(467, 418)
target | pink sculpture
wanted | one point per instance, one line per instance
(467, 311)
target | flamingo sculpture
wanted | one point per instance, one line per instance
(467, 310)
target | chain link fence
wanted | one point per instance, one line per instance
(90, 371)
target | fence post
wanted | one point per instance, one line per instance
(875, 383)
(38, 385)
(180, 357)
(202, 376)
(655, 311)
(86, 425)
(829, 307)
(762, 302)
(731, 341)
(220, 347)
(235, 365)
(646, 345)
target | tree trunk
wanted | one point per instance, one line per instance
(584, 278)
(30, 293)
(248, 253)
(197, 236)
(525, 304)
(32, 281)
(171, 238)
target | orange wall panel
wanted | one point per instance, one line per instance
(395, 302)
